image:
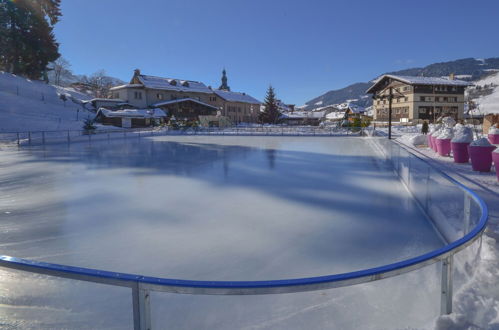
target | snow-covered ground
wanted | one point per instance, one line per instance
(197, 207)
(27, 105)
(489, 103)
(477, 302)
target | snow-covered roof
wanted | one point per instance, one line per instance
(415, 80)
(126, 86)
(236, 97)
(303, 114)
(356, 108)
(336, 115)
(133, 113)
(172, 84)
(107, 100)
(159, 104)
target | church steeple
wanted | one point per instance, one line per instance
(224, 85)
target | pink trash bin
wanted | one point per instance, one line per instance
(495, 158)
(460, 152)
(481, 158)
(428, 139)
(443, 147)
(493, 138)
(434, 143)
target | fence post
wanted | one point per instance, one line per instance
(141, 303)
(29, 137)
(18, 141)
(446, 297)
(467, 213)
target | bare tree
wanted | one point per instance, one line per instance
(101, 83)
(62, 71)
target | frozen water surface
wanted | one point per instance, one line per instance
(210, 208)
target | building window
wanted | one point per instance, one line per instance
(406, 99)
(159, 96)
(138, 95)
(422, 98)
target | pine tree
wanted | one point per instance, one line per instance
(27, 40)
(270, 114)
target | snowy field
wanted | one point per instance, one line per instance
(29, 105)
(213, 208)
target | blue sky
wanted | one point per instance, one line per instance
(302, 48)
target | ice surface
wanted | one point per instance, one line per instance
(214, 208)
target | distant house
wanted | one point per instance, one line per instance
(187, 109)
(238, 107)
(131, 118)
(312, 118)
(187, 98)
(98, 103)
(336, 116)
(418, 98)
(354, 111)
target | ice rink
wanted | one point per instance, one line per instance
(212, 208)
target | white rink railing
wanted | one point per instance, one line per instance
(457, 213)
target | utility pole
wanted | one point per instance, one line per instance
(390, 98)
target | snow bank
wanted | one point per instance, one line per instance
(462, 134)
(483, 142)
(448, 121)
(445, 133)
(434, 128)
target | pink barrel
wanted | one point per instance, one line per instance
(495, 158)
(460, 152)
(481, 158)
(434, 143)
(443, 147)
(494, 138)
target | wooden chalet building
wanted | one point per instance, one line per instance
(130, 118)
(415, 99)
(187, 99)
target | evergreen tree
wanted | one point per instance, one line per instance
(270, 114)
(27, 42)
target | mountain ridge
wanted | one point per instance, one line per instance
(468, 68)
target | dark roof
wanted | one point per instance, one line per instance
(159, 104)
